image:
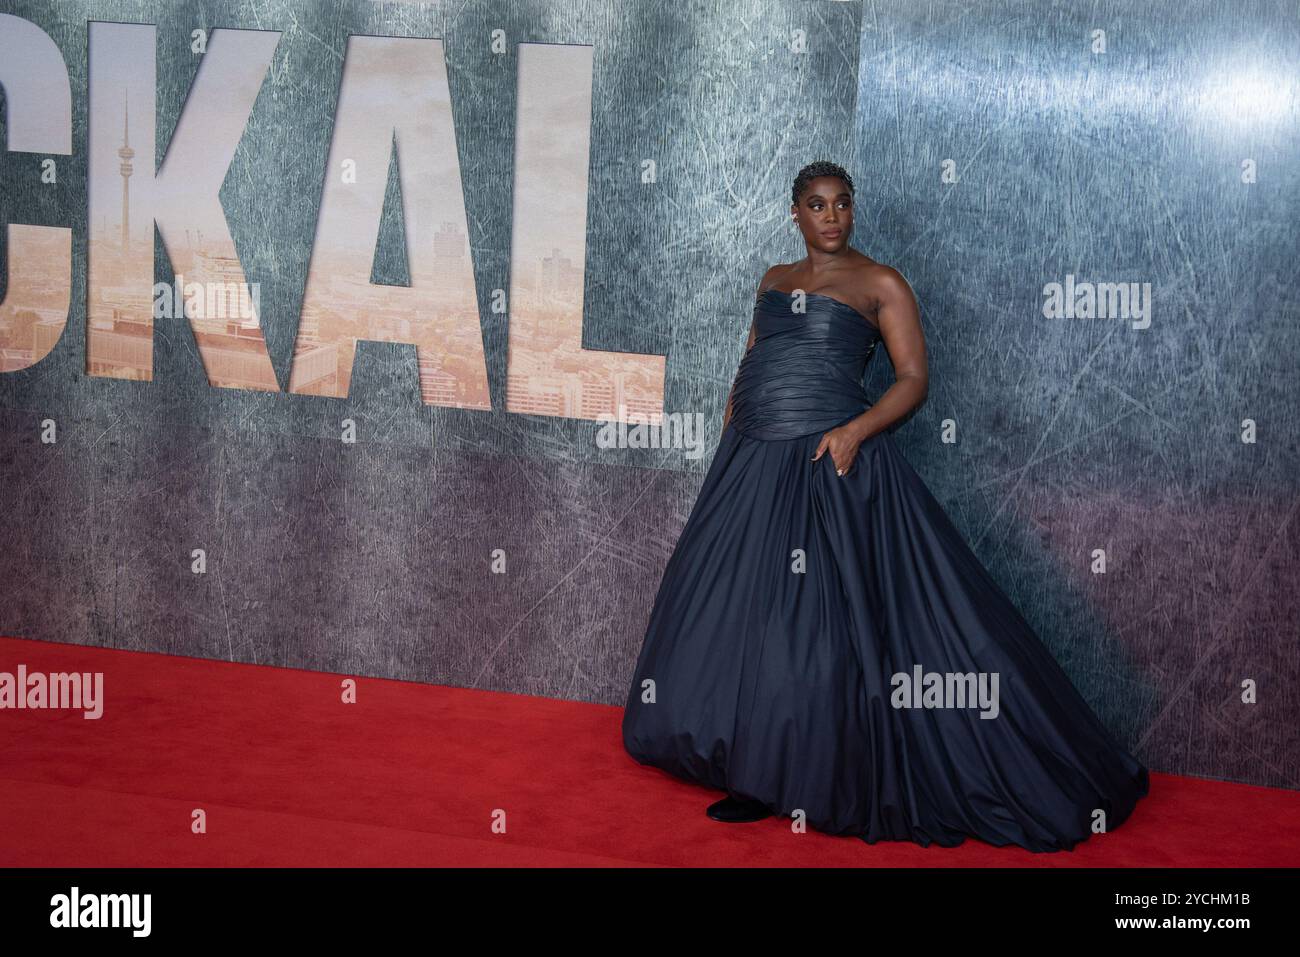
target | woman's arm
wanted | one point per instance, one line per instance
(900, 327)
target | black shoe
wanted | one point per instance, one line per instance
(738, 810)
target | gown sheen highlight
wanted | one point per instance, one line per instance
(772, 667)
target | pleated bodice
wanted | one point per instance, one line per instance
(803, 373)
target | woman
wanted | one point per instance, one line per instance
(824, 644)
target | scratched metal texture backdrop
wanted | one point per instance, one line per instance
(373, 558)
(1072, 435)
(1083, 434)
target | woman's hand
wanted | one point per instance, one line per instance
(842, 442)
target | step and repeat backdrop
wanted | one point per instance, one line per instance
(393, 338)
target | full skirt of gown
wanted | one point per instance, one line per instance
(798, 615)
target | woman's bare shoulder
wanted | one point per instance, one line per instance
(881, 282)
(773, 276)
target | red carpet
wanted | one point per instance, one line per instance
(411, 774)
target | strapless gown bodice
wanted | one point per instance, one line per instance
(803, 373)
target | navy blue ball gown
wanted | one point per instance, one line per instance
(787, 653)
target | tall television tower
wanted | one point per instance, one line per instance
(125, 154)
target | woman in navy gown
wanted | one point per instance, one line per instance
(824, 644)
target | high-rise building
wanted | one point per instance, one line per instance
(126, 154)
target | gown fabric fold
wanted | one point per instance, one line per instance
(799, 606)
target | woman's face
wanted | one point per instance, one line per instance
(825, 214)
